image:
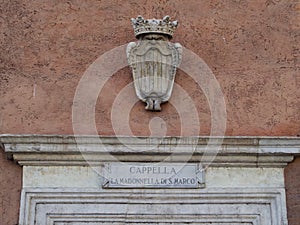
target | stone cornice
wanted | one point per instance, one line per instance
(70, 150)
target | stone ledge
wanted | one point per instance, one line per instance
(77, 150)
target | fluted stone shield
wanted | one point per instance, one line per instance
(154, 65)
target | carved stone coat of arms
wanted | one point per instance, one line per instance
(154, 60)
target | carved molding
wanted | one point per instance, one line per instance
(70, 150)
(210, 206)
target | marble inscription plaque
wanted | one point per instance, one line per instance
(153, 175)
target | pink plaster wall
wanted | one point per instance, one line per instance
(252, 48)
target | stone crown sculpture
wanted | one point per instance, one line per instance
(154, 60)
(158, 26)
